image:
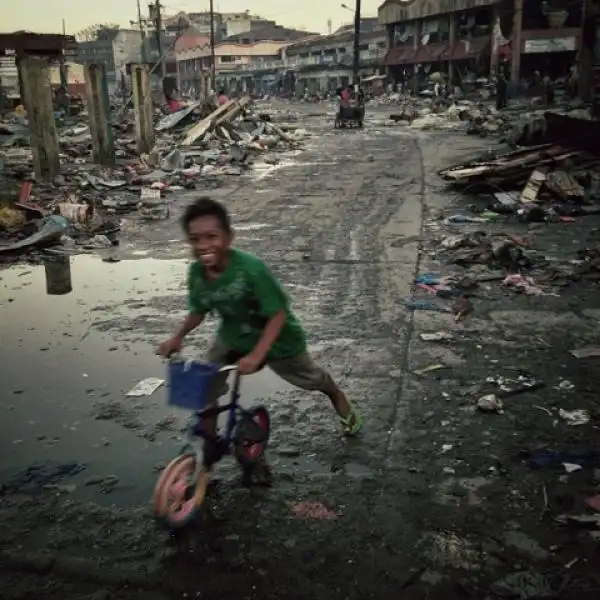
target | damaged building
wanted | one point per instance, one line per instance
(321, 64)
(469, 39)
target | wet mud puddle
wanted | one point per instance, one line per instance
(68, 359)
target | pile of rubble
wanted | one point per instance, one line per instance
(553, 181)
(480, 118)
(194, 146)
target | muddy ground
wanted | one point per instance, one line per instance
(435, 499)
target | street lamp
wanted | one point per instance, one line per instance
(356, 12)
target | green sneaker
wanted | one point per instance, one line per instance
(352, 423)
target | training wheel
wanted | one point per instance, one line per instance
(177, 496)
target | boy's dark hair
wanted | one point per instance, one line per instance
(206, 207)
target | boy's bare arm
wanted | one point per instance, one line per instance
(269, 336)
(190, 323)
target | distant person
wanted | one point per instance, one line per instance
(345, 96)
(501, 92)
(547, 90)
(222, 98)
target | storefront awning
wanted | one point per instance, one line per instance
(465, 49)
(399, 55)
(429, 53)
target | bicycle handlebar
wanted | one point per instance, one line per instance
(175, 357)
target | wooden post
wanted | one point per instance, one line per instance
(142, 105)
(96, 90)
(33, 73)
(495, 42)
(516, 42)
(586, 54)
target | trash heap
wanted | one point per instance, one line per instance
(540, 184)
(480, 118)
(195, 146)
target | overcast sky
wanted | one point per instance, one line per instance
(47, 15)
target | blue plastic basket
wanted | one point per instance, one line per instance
(189, 384)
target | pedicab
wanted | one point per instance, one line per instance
(350, 114)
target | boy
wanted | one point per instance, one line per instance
(258, 326)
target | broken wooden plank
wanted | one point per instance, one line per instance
(534, 185)
(233, 113)
(218, 116)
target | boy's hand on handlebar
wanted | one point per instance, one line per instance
(169, 347)
(249, 364)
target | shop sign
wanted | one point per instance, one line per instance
(544, 45)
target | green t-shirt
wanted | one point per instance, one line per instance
(246, 296)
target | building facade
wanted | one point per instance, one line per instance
(98, 49)
(127, 48)
(231, 60)
(9, 74)
(321, 64)
(255, 48)
(314, 64)
(474, 38)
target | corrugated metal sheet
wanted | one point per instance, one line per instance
(430, 53)
(400, 55)
(464, 49)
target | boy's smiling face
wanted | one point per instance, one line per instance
(209, 242)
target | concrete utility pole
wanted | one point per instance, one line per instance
(142, 106)
(98, 105)
(356, 69)
(142, 33)
(213, 66)
(63, 69)
(156, 18)
(37, 99)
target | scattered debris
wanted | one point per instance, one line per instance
(312, 510)
(146, 387)
(572, 467)
(575, 417)
(524, 585)
(439, 336)
(587, 352)
(194, 146)
(429, 369)
(490, 403)
(523, 284)
(594, 502)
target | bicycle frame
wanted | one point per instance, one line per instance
(214, 411)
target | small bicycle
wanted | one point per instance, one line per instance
(181, 488)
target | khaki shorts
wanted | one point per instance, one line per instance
(300, 371)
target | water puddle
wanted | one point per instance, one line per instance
(67, 361)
